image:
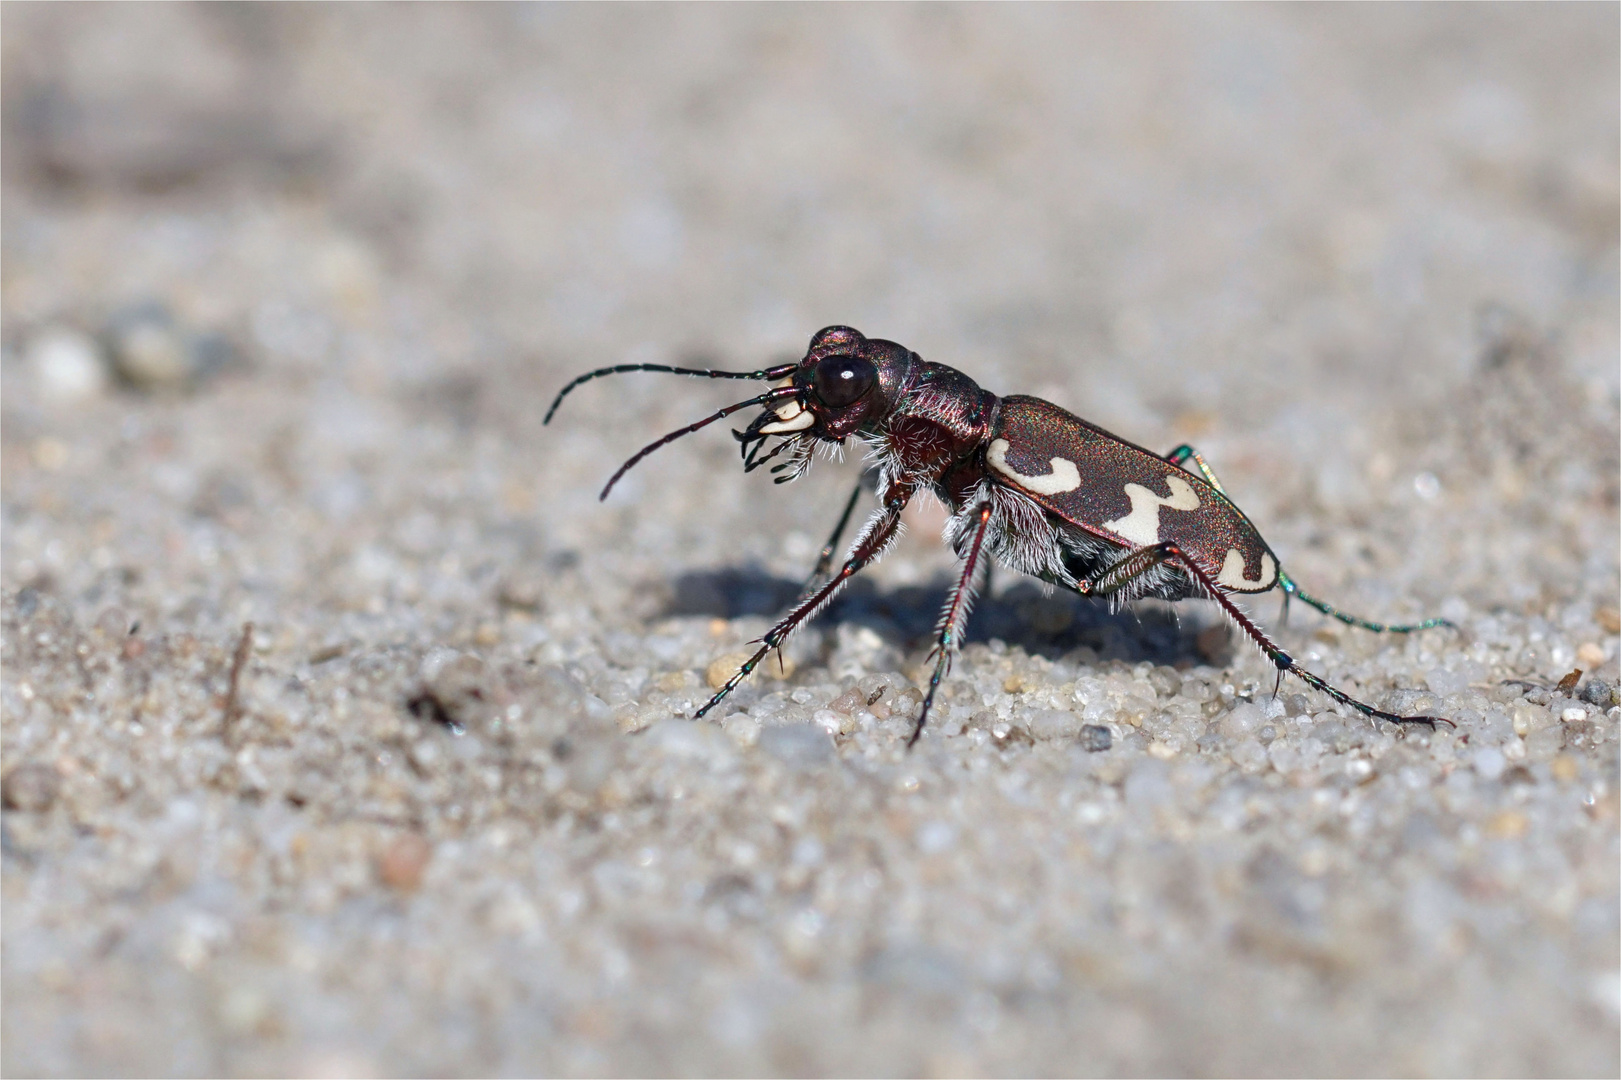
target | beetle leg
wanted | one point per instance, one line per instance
(1180, 456)
(1291, 589)
(1142, 560)
(880, 530)
(952, 618)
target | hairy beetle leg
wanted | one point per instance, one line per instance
(952, 618)
(1140, 561)
(874, 539)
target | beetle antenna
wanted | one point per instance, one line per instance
(766, 398)
(778, 372)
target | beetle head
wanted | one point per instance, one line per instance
(852, 382)
(845, 384)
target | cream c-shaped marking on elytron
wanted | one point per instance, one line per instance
(1141, 526)
(1064, 477)
(1232, 573)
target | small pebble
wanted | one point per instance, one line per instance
(528, 594)
(151, 351)
(744, 729)
(67, 365)
(1053, 723)
(1242, 721)
(675, 681)
(30, 788)
(1610, 619)
(1096, 738)
(799, 745)
(148, 350)
(848, 702)
(1597, 692)
(1490, 763)
(1507, 825)
(1248, 754)
(404, 861)
(1542, 745)
(1573, 714)
(1589, 655)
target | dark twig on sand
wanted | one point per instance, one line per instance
(233, 703)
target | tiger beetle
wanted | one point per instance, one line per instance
(1027, 484)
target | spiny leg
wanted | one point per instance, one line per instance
(1180, 456)
(1142, 560)
(871, 544)
(953, 617)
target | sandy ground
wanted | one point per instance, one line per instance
(287, 289)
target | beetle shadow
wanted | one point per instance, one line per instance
(1043, 622)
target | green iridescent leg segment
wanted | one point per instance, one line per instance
(1290, 589)
(1181, 454)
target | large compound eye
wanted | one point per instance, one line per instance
(843, 380)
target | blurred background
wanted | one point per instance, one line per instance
(286, 289)
(1211, 223)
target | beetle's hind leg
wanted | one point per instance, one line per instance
(1119, 576)
(1290, 589)
(1184, 453)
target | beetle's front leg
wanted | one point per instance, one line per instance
(949, 632)
(880, 531)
